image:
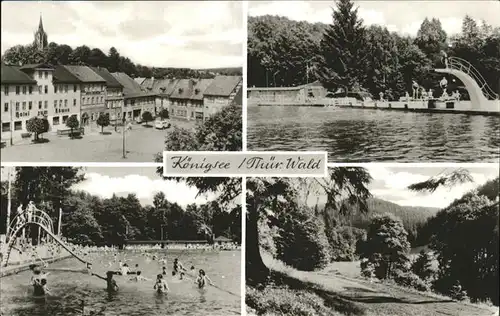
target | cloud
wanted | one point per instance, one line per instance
(391, 184)
(144, 187)
(151, 33)
(399, 16)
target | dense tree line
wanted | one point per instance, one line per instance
(61, 54)
(349, 55)
(89, 219)
(413, 218)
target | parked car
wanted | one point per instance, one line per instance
(162, 124)
(138, 120)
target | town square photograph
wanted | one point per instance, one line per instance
(395, 81)
(108, 81)
(118, 241)
(374, 240)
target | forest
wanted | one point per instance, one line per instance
(349, 55)
(459, 260)
(92, 220)
(61, 54)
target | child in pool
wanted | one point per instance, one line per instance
(124, 270)
(139, 277)
(178, 266)
(203, 279)
(111, 285)
(161, 285)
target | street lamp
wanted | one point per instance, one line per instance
(123, 136)
(11, 124)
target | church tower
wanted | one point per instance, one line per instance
(41, 41)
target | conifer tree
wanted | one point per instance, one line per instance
(343, 54)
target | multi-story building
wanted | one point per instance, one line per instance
(186, 100)
(163, 88)
(136, 100)
(220, 93)
(93, 93)
(114, 95)
(19, 92)
(66, 97)
(39, 90)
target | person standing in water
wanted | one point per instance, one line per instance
(178, 266)
(161, 285)
(203, 279)
(111, 285)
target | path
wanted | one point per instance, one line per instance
(387, 300)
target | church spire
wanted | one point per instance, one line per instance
(41, 40)
(40, 24)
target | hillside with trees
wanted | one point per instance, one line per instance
(61, 54)
(350, 55)
(412, 217)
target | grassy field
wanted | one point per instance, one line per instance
(340, 290)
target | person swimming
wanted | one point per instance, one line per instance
(111, 285)
(124, 270)
(203, 279)
(161, 285)
(139, 277)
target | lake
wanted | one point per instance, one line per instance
(73, 291)
(361, 135)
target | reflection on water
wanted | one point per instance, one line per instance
(357, 135)
(80, 294)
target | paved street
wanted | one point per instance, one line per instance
(142, 143)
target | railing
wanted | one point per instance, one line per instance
(43, 221)
(466, 67)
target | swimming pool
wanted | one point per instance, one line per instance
(74, 292)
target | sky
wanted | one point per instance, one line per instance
(403, 17)
(391, 184)
(194, 34)
(142, 181)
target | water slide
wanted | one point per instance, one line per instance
(481, 95)
(50, 233)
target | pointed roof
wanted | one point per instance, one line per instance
(40, 24)
(223, 85)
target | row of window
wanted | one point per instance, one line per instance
(92, 100)
(28, 89)
(23, 106)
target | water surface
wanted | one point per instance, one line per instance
(77, 292)
(361, 135)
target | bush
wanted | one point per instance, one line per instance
(147, 117)
(37, 126)
(301, 241)
(457, 292)
(422, 266)
(410, 279)
(72, 123)
(367, 269)
(343, 242)
(283, 301)
(103, 121)
(164, 114)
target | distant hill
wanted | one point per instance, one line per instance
(228, 71)
(412, 217)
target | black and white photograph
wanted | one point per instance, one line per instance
(107, 81)
(118, 241)
(396, 81)
(374, 240)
